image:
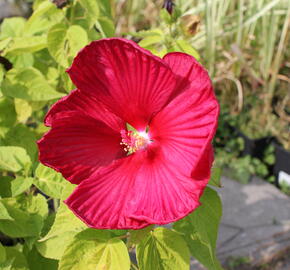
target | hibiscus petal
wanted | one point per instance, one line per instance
(134, 192)
(100, 201)
(77, 145)
(129, 80)
(186, 126)
(84, 104)
(163, 183)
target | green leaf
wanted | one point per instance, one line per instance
(200, 229)
(163, 249)
(27, 45)
(105, 8)
(77, 39)
(15, 260)
(67, 191)
(49, 181)
(27, 216)
(37, 262)
(92, 9)
(2, 253)
(35, 205)
(99, 253)
(184, 46)
(136, 236)
(22, 136)
(5, 186)
(4, 213)
(13, 158)
(22, 60)
(23, 109)
(4, 43)
(2, 72)
(20, 184)
(106, 26)
(10, 187)
(54, 247)
(7, 112)
(64, 42)
(44, 16)
(65, 221)
(215, 179)
(151, 37)
(28, 84)
(12, 27)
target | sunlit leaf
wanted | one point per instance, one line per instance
(15, 260)
(54, 247)
(12, 27)
(215, 179)
(49, 181)
(200, 229)
(163, 249)
(23, 60)
(100, 253)
(106, 26)
(27, 45)
(27, 216)
(183, 46)
(20, 184)
(28, 84)
(92, 9)
(44, 16)
(13, 158)
(4, 213)
(23, 109)
(22, 136)
(65, 221)
(65, 41)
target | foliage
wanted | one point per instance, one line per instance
(37, 230)
(235, 162)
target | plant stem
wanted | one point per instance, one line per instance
(134, 266)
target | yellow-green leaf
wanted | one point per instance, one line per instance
(64, 42)
(200, 229)
(83, 254)
(27, 44)
(163, 249)
(13, 158)
(28, 84)
(49, 181)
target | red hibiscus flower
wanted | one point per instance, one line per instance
(130, 179)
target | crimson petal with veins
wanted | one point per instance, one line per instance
(77, 145)
(159, 183)
(129, 80)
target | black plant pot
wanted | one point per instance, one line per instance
(282, 161)
(255, 147)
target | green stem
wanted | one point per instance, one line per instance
(134, 266)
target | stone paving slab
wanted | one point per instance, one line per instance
(255, 222)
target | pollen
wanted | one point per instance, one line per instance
(134, 140)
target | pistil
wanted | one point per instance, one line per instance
(134, 140)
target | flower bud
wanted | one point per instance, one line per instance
(190, 24)
(60, 3)
(168, 5)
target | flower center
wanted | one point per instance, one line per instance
(134, 140)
